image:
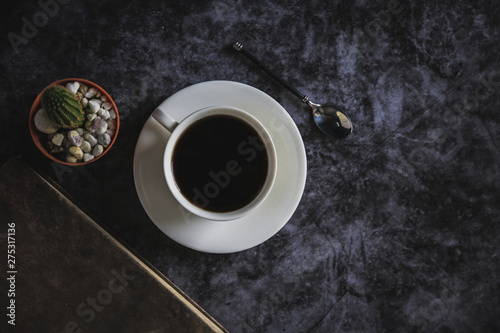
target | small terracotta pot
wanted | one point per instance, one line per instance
(41, 139)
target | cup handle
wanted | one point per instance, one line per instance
(165, 119)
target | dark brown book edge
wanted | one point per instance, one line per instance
(17, 162)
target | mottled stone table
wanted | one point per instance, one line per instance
(397, 229)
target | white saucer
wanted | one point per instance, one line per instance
(212, 236)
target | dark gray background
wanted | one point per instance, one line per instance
(397, 229)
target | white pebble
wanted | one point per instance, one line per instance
(94, 125)
(73, 87)
(106, 105)
(83, 88)
(87, 157)
(111, 124)
(94, 106)
(77, 152)
(74, 138)
(44, 123)
(103, 98)
(97, 150)
(111, 133)
(80, 131)
(58, 139)
(112, 114)
(91, 116)
(103, 113)
(71, 159)
(98, 101)
(85, 102)
(102, 128)
(104, 139)
(90, 138)
(86, 147)
(91, 93)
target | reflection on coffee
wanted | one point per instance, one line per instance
(220, 163)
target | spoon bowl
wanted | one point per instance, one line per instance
(330, 120)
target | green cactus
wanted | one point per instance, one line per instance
(63, 107)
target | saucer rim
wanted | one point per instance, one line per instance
(259, 236)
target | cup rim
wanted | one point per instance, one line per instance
(36, 135)
(201, 114)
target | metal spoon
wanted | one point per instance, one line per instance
(327, 117)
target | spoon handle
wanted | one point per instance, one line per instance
(239, 47)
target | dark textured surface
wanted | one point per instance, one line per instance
(397, 229)
(72, 276)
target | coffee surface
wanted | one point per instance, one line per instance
(220, 163)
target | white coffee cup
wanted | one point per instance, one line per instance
(178, 128)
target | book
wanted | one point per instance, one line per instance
(66, 273)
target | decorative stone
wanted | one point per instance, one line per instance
(103, 128)
(104, 139)
(111, 124)
(96, 124)
(73, 87)
(71, 159)
(94, 106)
(98, 149)
(43, 122)
(86, 147)
(103, 113)
(77, 152)
(57, 139)
(106, 105)
(74, 138)
(91, 93)
(91, 116)
(85, 102)
(83, 88)
(87, 157)
(90, 138)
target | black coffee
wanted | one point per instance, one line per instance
(220, 163)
